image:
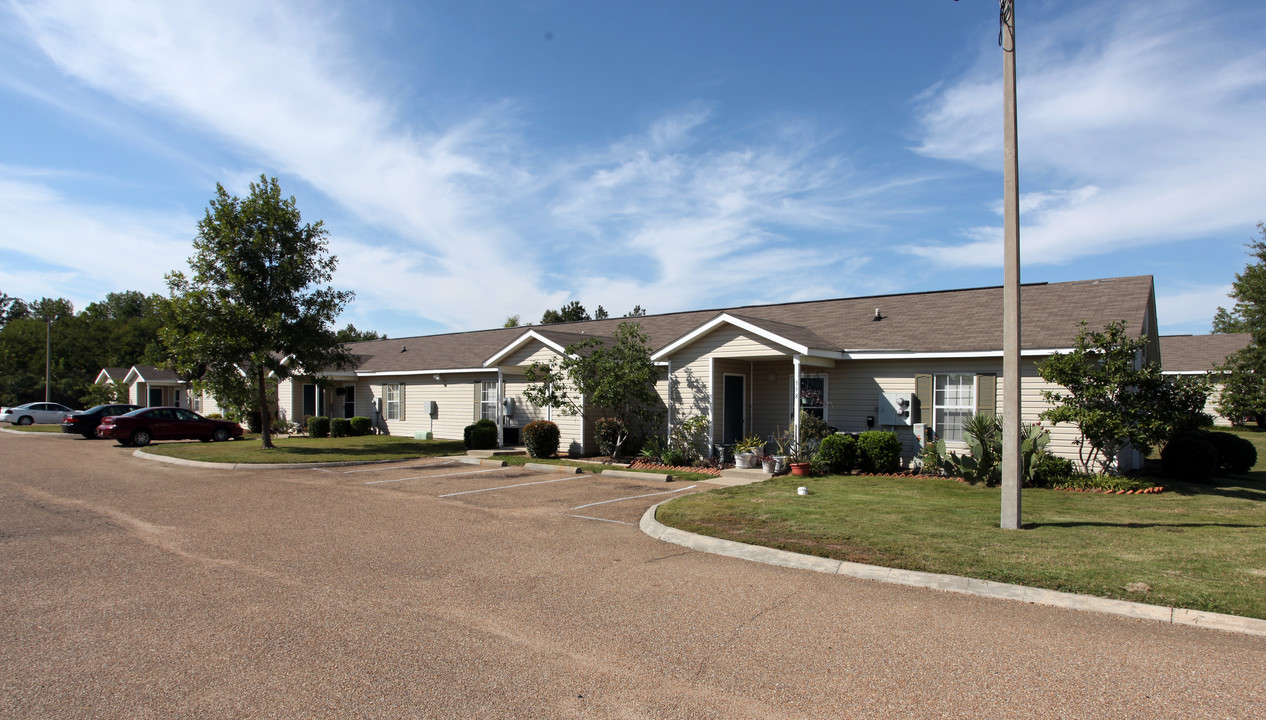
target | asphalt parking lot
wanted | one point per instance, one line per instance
(438, 589)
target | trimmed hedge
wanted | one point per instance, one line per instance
(319, 426)
(340, 427)
(1052, 470)
(1236, 455)
(361, 426)
(879, 451)
(837, 454)
(541, 438)
(1190, 457)
(482, 435)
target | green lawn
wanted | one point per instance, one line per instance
(1194, 546)
(306, 449)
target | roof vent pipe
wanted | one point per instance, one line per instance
(403, 348)
(877, 315)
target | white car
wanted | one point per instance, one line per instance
(36, 412)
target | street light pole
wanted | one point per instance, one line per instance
(1012, 468)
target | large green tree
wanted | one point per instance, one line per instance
(1115, 400)
(1243, 376)
(257, 303)
(615, 379)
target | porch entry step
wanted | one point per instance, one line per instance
(496, 453)
(736, 476)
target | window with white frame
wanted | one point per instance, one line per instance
(393, 401)
(813, 395)
(953, 401)
(488, 401)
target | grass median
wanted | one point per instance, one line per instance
(1194, 546)
(597, 465)
(41, 428)
(299, 449)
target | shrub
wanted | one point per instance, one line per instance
(319, 426)
(340, 427)
(813, 427)
(673, 457)
(653, 448)
(1049, 470)
(252, 419)
(689, 438)
(609, 432)
(541, 438)
(1236, 455)
(1111, 483)
(361, 426)
(837, 453)
(214, 416)
(1190, 457)
(879, 451)
(482, 435)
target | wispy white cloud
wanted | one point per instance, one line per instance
(1191, 308)
(462, 207)
(84, 251)
(1160, 116)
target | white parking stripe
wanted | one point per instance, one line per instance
(634, 497)
(422, 477)
(586, 517)
(507, 487)
(411, 467)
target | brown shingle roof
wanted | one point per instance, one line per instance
(1199, 353)
(944, 321)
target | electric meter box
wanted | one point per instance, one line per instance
(896, 409)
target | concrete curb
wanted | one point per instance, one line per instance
(478, 461)
(140, 453)
(949, 583)
(28, 433)
(545, 467)
(653, 477)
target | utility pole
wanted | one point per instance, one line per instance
(1012, 463)
(48, 355)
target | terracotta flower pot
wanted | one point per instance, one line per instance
(801, 469)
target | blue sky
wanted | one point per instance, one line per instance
(474, 160)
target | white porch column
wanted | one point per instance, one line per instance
(795, 391)
(500, 409)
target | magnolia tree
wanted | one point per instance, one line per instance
(614, 379)
(1117, 401)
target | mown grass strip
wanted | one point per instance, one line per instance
(300, 449)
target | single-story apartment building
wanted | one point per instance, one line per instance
(1201, 355)
(150, 386)
(917, 363)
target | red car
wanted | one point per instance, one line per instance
(139, 427)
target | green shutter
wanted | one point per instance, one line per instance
(479, 388)
(987, 394)
(923, 392)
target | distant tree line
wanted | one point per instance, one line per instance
(120, 331)
(573, 312)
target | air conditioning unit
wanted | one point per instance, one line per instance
(896, 409)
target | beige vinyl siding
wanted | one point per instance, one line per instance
(569, 426)
(692, 384)
(855, 387)
(1211, 405)
(451, 394)
(771, 399)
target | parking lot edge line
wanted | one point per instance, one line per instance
(423, 477)
(586, 517)
(634, 497)
(509, 486)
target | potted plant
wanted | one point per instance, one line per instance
(747, 450)
(801, 455)
(782, 441)
(768, 463)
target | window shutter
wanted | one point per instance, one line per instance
(987, 394)
(479, 396)
(401, 389)
(923, 391)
